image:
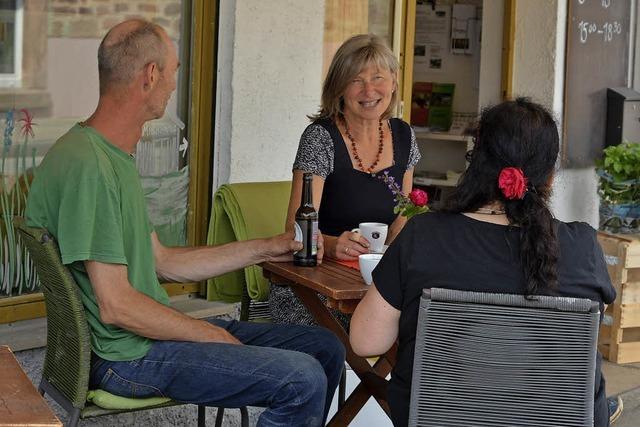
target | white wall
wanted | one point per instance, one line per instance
(269, 78)
(535, 50)
(539, 74)
(224, 95)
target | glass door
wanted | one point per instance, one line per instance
(49, 77)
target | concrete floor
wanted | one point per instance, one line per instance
(624, 380)
(621, 379)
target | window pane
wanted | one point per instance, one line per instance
(7, 36)
(59, 86)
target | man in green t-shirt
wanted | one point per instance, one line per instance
(87, 193)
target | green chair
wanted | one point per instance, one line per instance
(65, 375)
(245, 211)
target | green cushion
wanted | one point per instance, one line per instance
(107, 400)
(245, 211)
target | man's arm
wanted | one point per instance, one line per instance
(123, 306)
(200, 263)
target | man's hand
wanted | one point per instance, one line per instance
(221, 335)
(281, 247)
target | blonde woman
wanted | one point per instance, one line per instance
(350, 142)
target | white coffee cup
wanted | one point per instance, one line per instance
(375, 233)
(367, 263)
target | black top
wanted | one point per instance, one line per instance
(351, 196)
(454, 251)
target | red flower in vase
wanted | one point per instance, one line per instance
(408, 206)
(419, 197)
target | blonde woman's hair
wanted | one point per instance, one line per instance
(350, 59)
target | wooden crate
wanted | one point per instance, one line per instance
(619, 339)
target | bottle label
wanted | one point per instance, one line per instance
(314, 237)
(298, 231)
(304, 229)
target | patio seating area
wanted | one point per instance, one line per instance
(622, 379)
(195, 196)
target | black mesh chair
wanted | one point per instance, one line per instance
(65, 376)
(501, 360)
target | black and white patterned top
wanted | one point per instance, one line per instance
(349, 196)
(316, 151)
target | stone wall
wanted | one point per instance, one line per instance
(92, 18)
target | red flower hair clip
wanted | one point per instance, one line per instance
(512, 183)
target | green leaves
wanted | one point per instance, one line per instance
(619, 172)
(414, 210)
(622, 161)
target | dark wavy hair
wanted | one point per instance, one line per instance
(524, 135)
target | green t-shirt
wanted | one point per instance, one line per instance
(87, 194)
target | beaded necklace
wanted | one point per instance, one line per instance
(354, 149)
(488, 211)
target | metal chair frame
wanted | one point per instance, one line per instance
(498, 359)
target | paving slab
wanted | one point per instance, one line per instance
(624, 380)
(631, 413)
(621, 377)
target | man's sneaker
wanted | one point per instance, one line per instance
(615, 408)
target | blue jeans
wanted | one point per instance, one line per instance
(291, 370)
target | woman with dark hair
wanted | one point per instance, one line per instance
(495, 234)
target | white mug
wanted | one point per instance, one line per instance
(375, 233)
(367, 263)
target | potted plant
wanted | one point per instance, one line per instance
(619, 188)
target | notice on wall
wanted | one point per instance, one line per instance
(432, 35)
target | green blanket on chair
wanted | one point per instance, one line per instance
(242, 212)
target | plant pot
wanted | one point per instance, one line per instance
(621, 218)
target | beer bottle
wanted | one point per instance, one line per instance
(307, 226)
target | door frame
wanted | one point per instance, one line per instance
(201, 118)
(406, 40)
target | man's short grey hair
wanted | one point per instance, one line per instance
(121, 56)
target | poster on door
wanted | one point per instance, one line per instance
(433, 26)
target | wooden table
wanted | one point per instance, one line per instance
(20, 402)
(344, 288)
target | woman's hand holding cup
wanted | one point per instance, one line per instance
(375, 233)
(350, 245)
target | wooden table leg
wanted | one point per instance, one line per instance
(372, 379)
(359, 396)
